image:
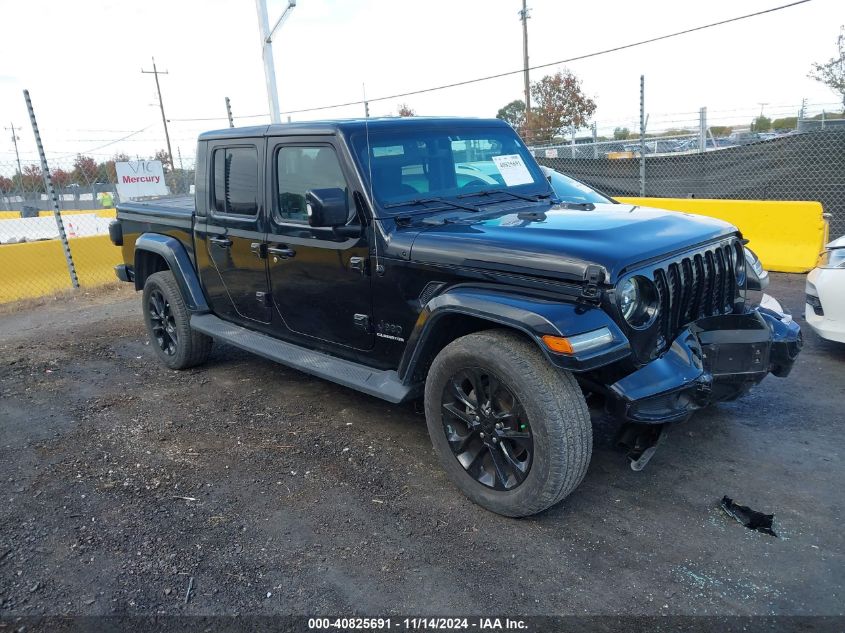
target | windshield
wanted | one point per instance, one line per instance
(445, 162)
(573, 191)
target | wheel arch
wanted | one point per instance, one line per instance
(154, 253)
(463, 310)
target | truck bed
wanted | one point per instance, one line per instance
(173, 211)
(173, 217)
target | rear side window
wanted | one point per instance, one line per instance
(235, 187)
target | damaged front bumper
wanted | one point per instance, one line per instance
(714, 359)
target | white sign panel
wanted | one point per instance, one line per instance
(551, 153)
(513, 170)
(138, 179)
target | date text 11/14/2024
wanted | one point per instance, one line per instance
(417, 624)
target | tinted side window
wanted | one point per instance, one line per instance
(300, 169)
(235, 180)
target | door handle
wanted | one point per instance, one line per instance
(223, 242)
(282, 251)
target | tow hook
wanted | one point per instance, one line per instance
(640, 442)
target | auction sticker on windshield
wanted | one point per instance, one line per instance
(513, 169)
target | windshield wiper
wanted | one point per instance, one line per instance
(519, 196)
(418, 201)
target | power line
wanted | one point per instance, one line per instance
(457, 84)
(94, 149)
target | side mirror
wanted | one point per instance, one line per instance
(326, 207)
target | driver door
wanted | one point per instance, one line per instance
(319, 279)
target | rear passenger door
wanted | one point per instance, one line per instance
(236, 281)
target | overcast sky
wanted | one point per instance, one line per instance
(81, 61)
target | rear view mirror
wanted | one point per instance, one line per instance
(326, 207)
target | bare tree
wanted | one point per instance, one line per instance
(832, 73)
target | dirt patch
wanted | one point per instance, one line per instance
(81, 296)
(281, 493)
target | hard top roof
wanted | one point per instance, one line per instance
(308, 128)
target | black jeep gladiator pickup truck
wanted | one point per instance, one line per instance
(431, 258)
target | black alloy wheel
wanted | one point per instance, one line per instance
(168, 323)
(511, 430)
(487, 428)
(162, 323)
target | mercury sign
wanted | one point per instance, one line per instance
(138, 179)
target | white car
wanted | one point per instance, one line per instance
(826, 293)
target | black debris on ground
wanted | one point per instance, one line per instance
(751, 519)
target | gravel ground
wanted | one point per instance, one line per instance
(280, 493)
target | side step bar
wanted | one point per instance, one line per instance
(381, 384)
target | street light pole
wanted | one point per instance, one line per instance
(267, 53)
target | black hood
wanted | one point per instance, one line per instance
(561, 242)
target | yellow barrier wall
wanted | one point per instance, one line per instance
(103, 213)
(15, 215)
(35, 269)
(787, 236)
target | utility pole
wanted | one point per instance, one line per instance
(15, 139)
(267, 53)
(523, 15)
(156, 73)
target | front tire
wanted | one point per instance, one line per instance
(511, 431)
(169, 324)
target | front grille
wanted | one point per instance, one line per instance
(815, 303)
(697, 285)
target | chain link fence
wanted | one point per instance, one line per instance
(32, 260)
(794, 166)
(697, 155)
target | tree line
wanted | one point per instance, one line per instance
(84, 172)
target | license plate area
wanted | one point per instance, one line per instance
(736, 358)
(734, 344)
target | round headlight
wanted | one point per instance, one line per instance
(629, 297)
(637, 299)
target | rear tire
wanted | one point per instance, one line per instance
(527, 444)
(169, 324)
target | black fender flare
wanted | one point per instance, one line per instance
(180, 264)
(534, 316)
